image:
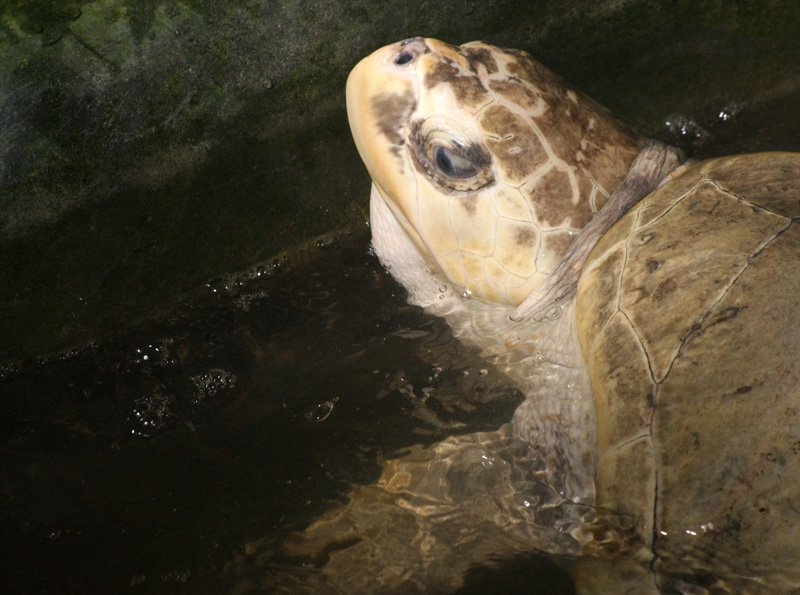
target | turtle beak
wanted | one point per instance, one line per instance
(381, 94)
(381, 97)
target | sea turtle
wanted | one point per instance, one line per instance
(657, 344)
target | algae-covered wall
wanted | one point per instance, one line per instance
(150, 145)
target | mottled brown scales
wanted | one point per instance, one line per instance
(391, 112)
(469, 91)
(525, 236)
(516, 148)
(477, 57)
(532, 72)
(552, 199)
(728, 313)
(581, 132)
(574, 134)
(441, 72)
(589, 194)
(578, 130)
(515, 92)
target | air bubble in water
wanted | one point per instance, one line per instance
(687, 128)
(151, 412)
(216, 285)
(321, 411)
(152, 354)
(207, 385)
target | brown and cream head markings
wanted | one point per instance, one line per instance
(489, 163)
(644, 346)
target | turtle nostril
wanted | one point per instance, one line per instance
(409, 49)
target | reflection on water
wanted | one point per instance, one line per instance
(271, 433)
(434, 514)
(152, 458)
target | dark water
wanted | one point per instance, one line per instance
(145, 462)
(148, 460)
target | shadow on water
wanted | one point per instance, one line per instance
(144, 462)
(148, 459)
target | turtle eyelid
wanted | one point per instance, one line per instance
(444, 153)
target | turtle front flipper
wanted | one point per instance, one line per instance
(654, 163)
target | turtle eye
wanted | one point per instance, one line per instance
(450, 155)
(452, 164)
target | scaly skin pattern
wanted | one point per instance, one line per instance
(485, 169)
(545, 159)
(541, 161)
(665, 388)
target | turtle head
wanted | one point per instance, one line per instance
(488, 161)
